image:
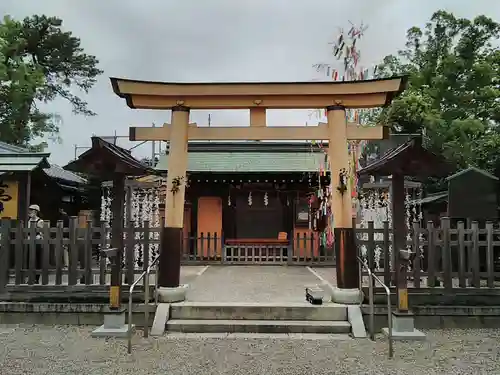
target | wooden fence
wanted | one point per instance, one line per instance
(71, 255)
(303, 248)
(69, 258)
(445, 257)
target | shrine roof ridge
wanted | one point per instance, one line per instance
(254, 146)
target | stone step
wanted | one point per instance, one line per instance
(257, 326)
(258, 311)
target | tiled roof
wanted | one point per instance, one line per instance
(241, 162)
(102, 152)
(19, 159)
(472, 170)
(59, 173)
(408, 159)
(6, 148)
(248, 157)
(22, 162)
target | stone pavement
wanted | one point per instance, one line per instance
(71, 350)
(188, 274)
(251, 284)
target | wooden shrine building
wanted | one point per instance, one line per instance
(253, 193)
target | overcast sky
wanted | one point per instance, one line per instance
(218, 40)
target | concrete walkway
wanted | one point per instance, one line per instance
(188, 275)
(251, 284)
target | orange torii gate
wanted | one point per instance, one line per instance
(180, 98)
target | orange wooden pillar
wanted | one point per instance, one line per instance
(341, 203)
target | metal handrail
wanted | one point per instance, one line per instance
(371, 278)
(145, 276)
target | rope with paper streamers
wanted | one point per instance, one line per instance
(346, 68)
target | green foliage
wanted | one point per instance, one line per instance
(38, 63)
(453, 94)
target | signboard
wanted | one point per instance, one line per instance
(8, 199)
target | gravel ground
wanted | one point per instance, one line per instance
(70, 350)
(251, 284)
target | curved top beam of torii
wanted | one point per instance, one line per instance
(271, 95)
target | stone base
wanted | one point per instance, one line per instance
(347, 296)
(403, 321)
(403, 327)
(172, 295)
(121, 332)
(415, 335)
(114, 325)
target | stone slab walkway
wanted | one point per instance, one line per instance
(251, 284)
(188, 274)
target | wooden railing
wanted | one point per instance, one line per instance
(71, 255)
(301, 249)
(444, 256)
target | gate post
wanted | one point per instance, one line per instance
(345, 243)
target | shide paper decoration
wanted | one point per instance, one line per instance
(144, 206)
(344, 68)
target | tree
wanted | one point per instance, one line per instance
(38, 63)
(454, 89)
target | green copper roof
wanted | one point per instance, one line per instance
(243, 162)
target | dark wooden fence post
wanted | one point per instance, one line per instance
(370, 246)
(418, 254)
(5, 248)
(32, 256)
(20, 252)
(431, 255)
(387, 255)
(45, 252)
(87, 255)
(73, 251)
(146, 247)
(103, 230)
(446, 253)
(115, 292)
(490, 256)
(130, 243)
(59, 251)
(476, 277)
(461, 254)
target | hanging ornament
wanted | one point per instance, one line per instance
(103, 206)
(229, 200)
(156, 223)
(420, 211)
(266, 199)
(250, 199)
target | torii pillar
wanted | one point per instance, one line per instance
(170, 289)
(341, 206)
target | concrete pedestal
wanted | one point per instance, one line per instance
(347, 296)
(172, 295)
(403, 328)
(114, 325)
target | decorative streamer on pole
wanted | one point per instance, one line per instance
(346, 67)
